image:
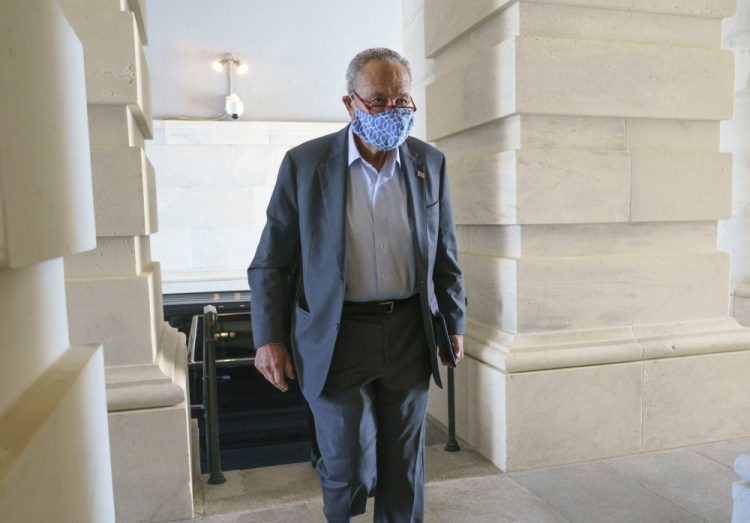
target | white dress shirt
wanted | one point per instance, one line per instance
(380, 261)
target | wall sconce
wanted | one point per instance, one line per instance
(233, 106)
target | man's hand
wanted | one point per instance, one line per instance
(458, 346)
(274, 363)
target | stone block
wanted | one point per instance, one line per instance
(522, 420)
(646, 134)
(118, 313)
(549, 294)
(30, 296)
(483, 189)
(46, 204)
(556, 76)
(542, 186)
(413, 35)
(681, 186)
(118, 256)
(589, 292)
(116, 69)
(579, 22)
(124, 191)
(572, 132)
(446, 20)
(96, 5)
(113, 125)
(695, 399)
(151, 464)
(571, 186)
(446, 92)
(569, 415)
(56, 456)
(490, 85)
(708, 8)
(138, 8)
(610, 239)
(492, 287)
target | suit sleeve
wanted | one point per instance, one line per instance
(447, 278)
(271, 273)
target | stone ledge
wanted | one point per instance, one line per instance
(557, 350)
(147, 386)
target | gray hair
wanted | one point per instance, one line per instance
(379, 54)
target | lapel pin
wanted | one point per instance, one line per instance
(420, 174)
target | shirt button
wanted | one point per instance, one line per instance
(381, 245)
(380, 215)
(336, 327)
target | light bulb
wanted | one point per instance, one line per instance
(242, 68)
(217, 65)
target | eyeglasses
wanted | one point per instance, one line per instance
(376, 106)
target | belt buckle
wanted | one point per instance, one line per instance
(390, 305)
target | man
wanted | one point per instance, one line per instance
(358, 253)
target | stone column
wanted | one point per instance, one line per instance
(734, 234)
(583, 143)
(114, 292)
(54, 445)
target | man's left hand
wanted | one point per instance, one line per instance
(458, 347)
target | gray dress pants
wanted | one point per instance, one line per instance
(370, 416)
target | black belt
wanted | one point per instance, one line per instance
(376, 307)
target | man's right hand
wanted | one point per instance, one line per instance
(274, 362)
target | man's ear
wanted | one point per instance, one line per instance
(349, 105)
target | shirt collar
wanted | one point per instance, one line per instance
(393, 155)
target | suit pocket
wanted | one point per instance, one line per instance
(302, 305)
(432, 208)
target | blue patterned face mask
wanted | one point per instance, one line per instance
(386, 130)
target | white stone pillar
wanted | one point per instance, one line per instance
(114, 292)
(734, 234)
(421, 68)
(583, 144)
(54, 445)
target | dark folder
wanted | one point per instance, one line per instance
(443, 339)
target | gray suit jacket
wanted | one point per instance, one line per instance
(297, 276)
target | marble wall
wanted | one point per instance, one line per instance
(588, 181)
(55, 458)
(214, 181)
(114, 291)
(734, 234)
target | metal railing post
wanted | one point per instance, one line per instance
(452, 444)
(210, 400)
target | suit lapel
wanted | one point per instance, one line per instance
(332, 176)
(414, 175)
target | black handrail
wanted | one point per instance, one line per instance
(452, 444)
(210, 399)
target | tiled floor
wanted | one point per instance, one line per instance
(683, 486)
